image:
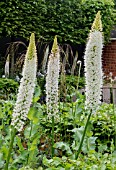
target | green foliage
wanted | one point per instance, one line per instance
(96, 154)
(26, 168)
(91, 7)
(32, 147)
(66, 26)
(68, 88)
(95, 161)
(44, 17)
(21, 18)
(104, 125)
(33, 144)
(73, 80)
(114, 12)
(71, 85)
(7, 87)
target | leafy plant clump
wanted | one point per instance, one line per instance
(8, 87)
(33, 144)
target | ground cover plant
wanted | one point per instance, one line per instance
(70, 132)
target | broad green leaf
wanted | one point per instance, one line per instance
(37, 94)
(34, 114)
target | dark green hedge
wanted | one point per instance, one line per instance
(90, 8)
(69, 19)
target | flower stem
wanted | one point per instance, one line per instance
(114, 120)
(114, 128)
(83, 136)
(74, 124)
(113, 105)
(52, 136)
(29, 142)
(78, 76)
(13, 132)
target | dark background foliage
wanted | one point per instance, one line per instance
(69, 19)
(90, 8)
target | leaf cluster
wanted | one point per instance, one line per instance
(32, 146)
(7, 87)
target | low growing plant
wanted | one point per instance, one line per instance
(8, 88)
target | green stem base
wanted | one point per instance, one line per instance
(82, 139)
(13, 132)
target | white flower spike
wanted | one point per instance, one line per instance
(26, 88)
(93, 65)
(52, 81)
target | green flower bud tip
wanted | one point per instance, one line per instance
(97, 24)
(31, 48)
(55, 45)
(8, 58)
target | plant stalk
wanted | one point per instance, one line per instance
(29, 142)
(52, 136)
(82, 139)
(74, 124)
(78, 76)
(114, 130)
(112, 101)
(13, 132)
(114, 120)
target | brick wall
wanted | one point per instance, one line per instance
(109, 58)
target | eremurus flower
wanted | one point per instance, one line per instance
(52, 80)
(93, 65)
(26, 88)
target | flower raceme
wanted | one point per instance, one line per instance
(52, 81)
(26, 88)
(93, 65)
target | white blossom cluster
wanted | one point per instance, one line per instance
(93, 66)
(26, 88)
(52, 81)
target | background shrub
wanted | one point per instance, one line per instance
(89, 10)
(69, 19)
(7, 87)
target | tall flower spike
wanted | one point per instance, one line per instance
(52, 81)
(93, 65)
(26, 88)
